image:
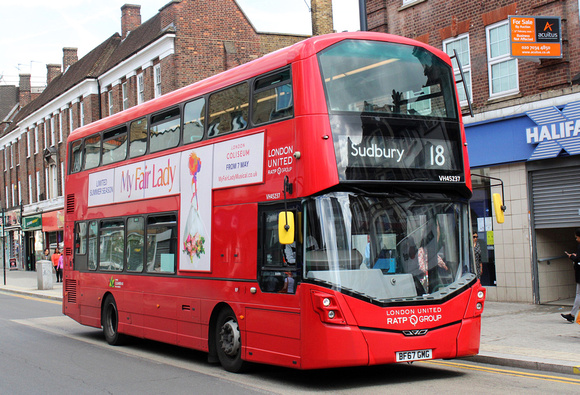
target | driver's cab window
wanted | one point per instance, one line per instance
(279, 264)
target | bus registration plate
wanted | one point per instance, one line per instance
(415, 355)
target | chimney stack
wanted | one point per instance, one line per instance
(24, 90)
(52, 71)
(130, 18)
(69, 57)
(321, 17)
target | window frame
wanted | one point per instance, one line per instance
(504, 58)
(140, 88)
(111, 135)
(257, 90)
(125, 95)
(466, 68)
(157, 80)
(166, 116)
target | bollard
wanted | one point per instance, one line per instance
(44, 274)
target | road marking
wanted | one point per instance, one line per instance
(32, 297)
(507, 372)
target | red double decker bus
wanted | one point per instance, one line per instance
(308, 209)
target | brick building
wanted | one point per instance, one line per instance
(184, 42)
(523, 132)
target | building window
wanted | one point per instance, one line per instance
(11, 156)
(38, 186)
(157, 77)
(36, 139)
(125, 96)
(52, 182)
(52, 132)
(70, 119)
(46, 136)
(60, 127)
(28, 143)
(110, 98)
(140, 89)
(19, 192)
(82, 113)
(460, 45)
(502, 69)
(29, 188)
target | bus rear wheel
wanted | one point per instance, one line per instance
(229, 342)
(110, 321)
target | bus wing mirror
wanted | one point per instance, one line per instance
(286, 227)
(498, 207)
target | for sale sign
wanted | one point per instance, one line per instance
(535, 37)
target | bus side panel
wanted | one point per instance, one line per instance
(234, 241)
(188, 323)
(273, 337)
(160, 321)
(469, 337)
(328, 345)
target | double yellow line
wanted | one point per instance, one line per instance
(536, 376)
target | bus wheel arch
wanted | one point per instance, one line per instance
(225, 344)
(110, 321)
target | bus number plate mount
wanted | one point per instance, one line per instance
(415, 355)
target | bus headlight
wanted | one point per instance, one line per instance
(327, 308)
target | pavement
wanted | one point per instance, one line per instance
(519, 335)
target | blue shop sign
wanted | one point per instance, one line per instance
(538, 134)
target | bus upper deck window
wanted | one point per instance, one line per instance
(115, 145)
(164, 130)
(228, 110)
(193, 121)
(92, 151)
(76, 158)
(272, 99)
(138, 138)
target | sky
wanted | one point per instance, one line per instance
(34, 32)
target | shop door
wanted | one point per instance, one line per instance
(29, 251)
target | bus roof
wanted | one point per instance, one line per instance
(269, 62)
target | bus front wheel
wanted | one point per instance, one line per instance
(228, 342)
(110, 321)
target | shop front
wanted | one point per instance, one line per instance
(52, 226)
(12, 240)
(535, 151)
(32, 240)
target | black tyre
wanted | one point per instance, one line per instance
(229, 342)
(110, 321)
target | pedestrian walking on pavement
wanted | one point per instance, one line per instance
(575, 258)
(59, 268)
(55, 257)
(47, 255)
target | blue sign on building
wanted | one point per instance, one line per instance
(537, 134)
